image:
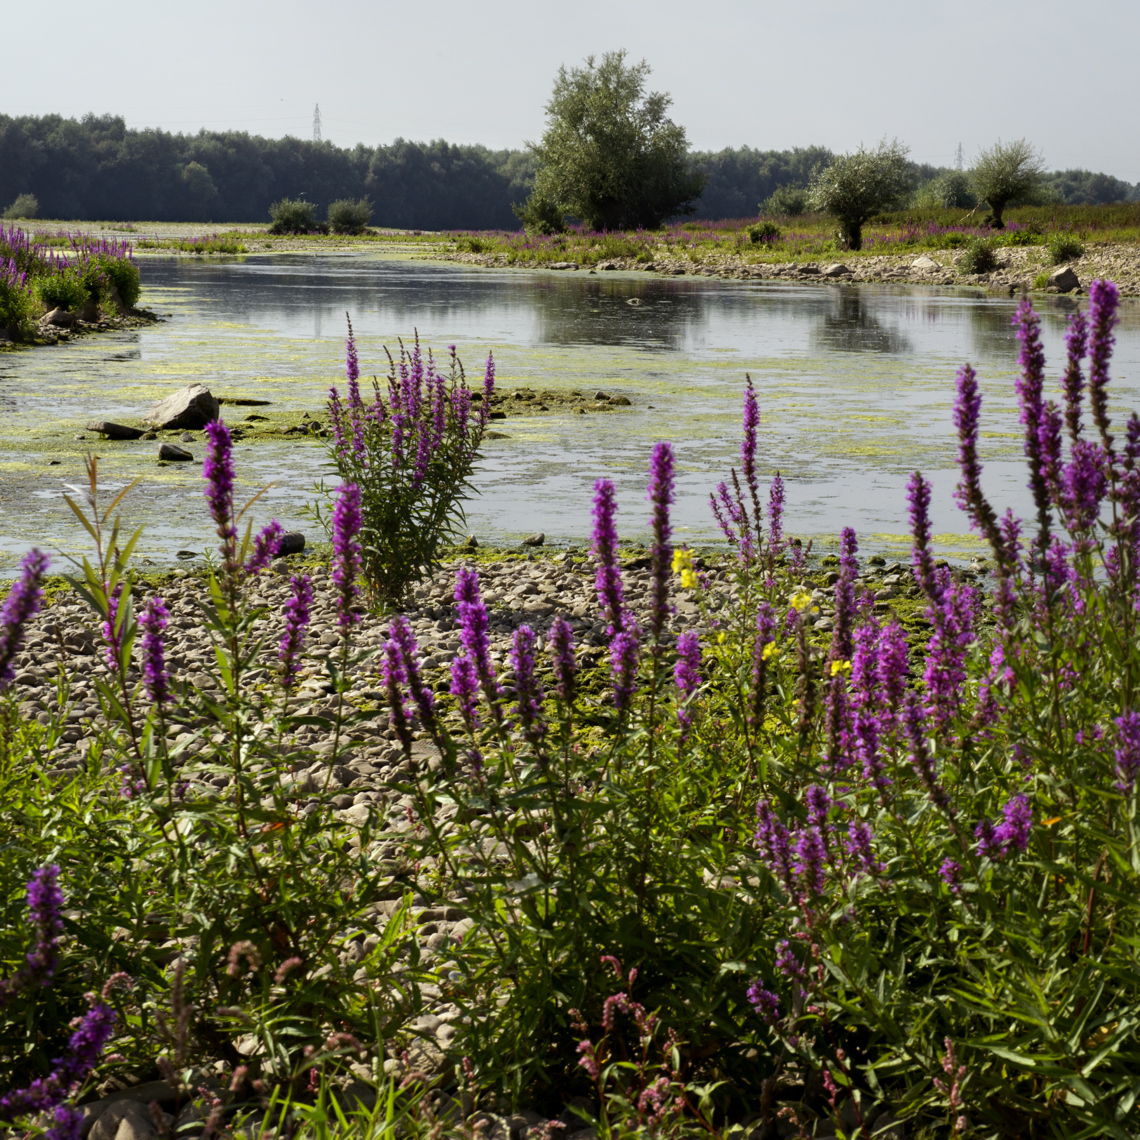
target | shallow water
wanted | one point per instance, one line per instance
(855, 385)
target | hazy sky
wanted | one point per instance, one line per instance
(766, 74)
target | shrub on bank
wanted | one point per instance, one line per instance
(1064, 247)
(979, 256)
(26, 206)
(346, 216)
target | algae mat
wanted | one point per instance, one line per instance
(855, 384)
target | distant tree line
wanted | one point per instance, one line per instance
(98, 168)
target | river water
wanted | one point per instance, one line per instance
(855, 383)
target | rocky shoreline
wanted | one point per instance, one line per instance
(1017, 268)
(60, 327)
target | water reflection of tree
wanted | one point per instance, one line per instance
(849, 325)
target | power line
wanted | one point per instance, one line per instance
(317, 123)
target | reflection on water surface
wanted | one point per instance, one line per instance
(855, 383)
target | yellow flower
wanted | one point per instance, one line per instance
(682, 559)
(721, 638)
(689, 579)
(801, 600)
(840, 667)
(769, 651)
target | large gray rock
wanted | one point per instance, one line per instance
(190, 407)
(1063, 279)
(127, 1120)
(924, 264)
(59, 318)
(835, 269)
(172, 453)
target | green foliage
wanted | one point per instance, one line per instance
(786, 201)
(26, 206)
(1020, 238)
(857, 186)
(1005, 173)
(763, 232)
(65, 290)
(17, 306)
(541, 215)
(951, 190)
(1064, 247)
(412, 456)
(979, 256)
(348, 217)
(293, 216)
(610, 155)
(123, 274)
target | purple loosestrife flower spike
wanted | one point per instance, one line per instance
(265, 547)
(1104, 297)
(624, 656)
(152, 622)
(218, 475)
(392, 670)
(488, 390)
(400, 634)
(751, 422)
(923, 763)
(25, 596)
(842, 646)
(298, 611)
(811, 854)
(351, 364)
(686, 672)
(772, 841)
(776, 514)
(346, 526)
(1073, 384)
(528, 689)
(766, 1003)
(67, 1124)
(608, 578)
(474, 623)
(1017, 823)
(1128, 752)
(860, 848)
(45, 909)
(1030, 385)
(951, 874)
(918, 496)
(765, 636)
(465, 688)
(1084, 485)
(565, 665)
(660, 494)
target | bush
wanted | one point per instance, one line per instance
(348, 217)
(63, 290)
(26, 206)
(856, 187)
(786, 202)
(540, 214)
(1005, 173)
(979, 256)
(951, 190)
(411, 455)
(1064, 248)
(16, 304)
(470, 244)
(764, 232)
(293, 216)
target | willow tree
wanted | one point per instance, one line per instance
(610, 155)
(855, 187)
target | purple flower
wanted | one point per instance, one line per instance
(748, 439)
(401, 636)
(608, 579)
(218, 474)
(860, 848)
(866, 741)
(298, 611)
(1011, 834)
(952, 617)
(686, 672)
(624, 656)
(766, 1003)
(68, 1124)
(951, 873)
(818, 808)
(488, 389)
(265, 548)
(474, 623)
(776, 515)
(1029, 391)
(45, 909)
(765, 636)
(811, 854)
(565, 665)
(351, 364)
(918, 496)
(394, 676)
(528, 689)
(346, 526)
(465, 688)
(1084, 485)
(152, 622)
(1104, 297)
(788, 964)
(967, 413)
(841, 644)
(1128, 752)
(1076, 342)
(772, 842)
(923, 763)
(23, 601)
(865, 665)
(660, 494)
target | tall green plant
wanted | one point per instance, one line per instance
(857, 186)
(412, 454)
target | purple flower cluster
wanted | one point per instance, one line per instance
(45, 909)
(265, 547)
(607, 580)
(565, 664)
(686, 673)
(24, 599)
(474, 623)
(1127, 751)
(1012, 834)
(346, 526)
(404, 642)
(298, 613)
(528, 688)
(766, 1003)
(218, 475)
(660, 494)
(152, 622)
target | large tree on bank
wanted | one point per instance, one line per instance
(610, 155)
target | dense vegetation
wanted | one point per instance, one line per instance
(98, 168)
